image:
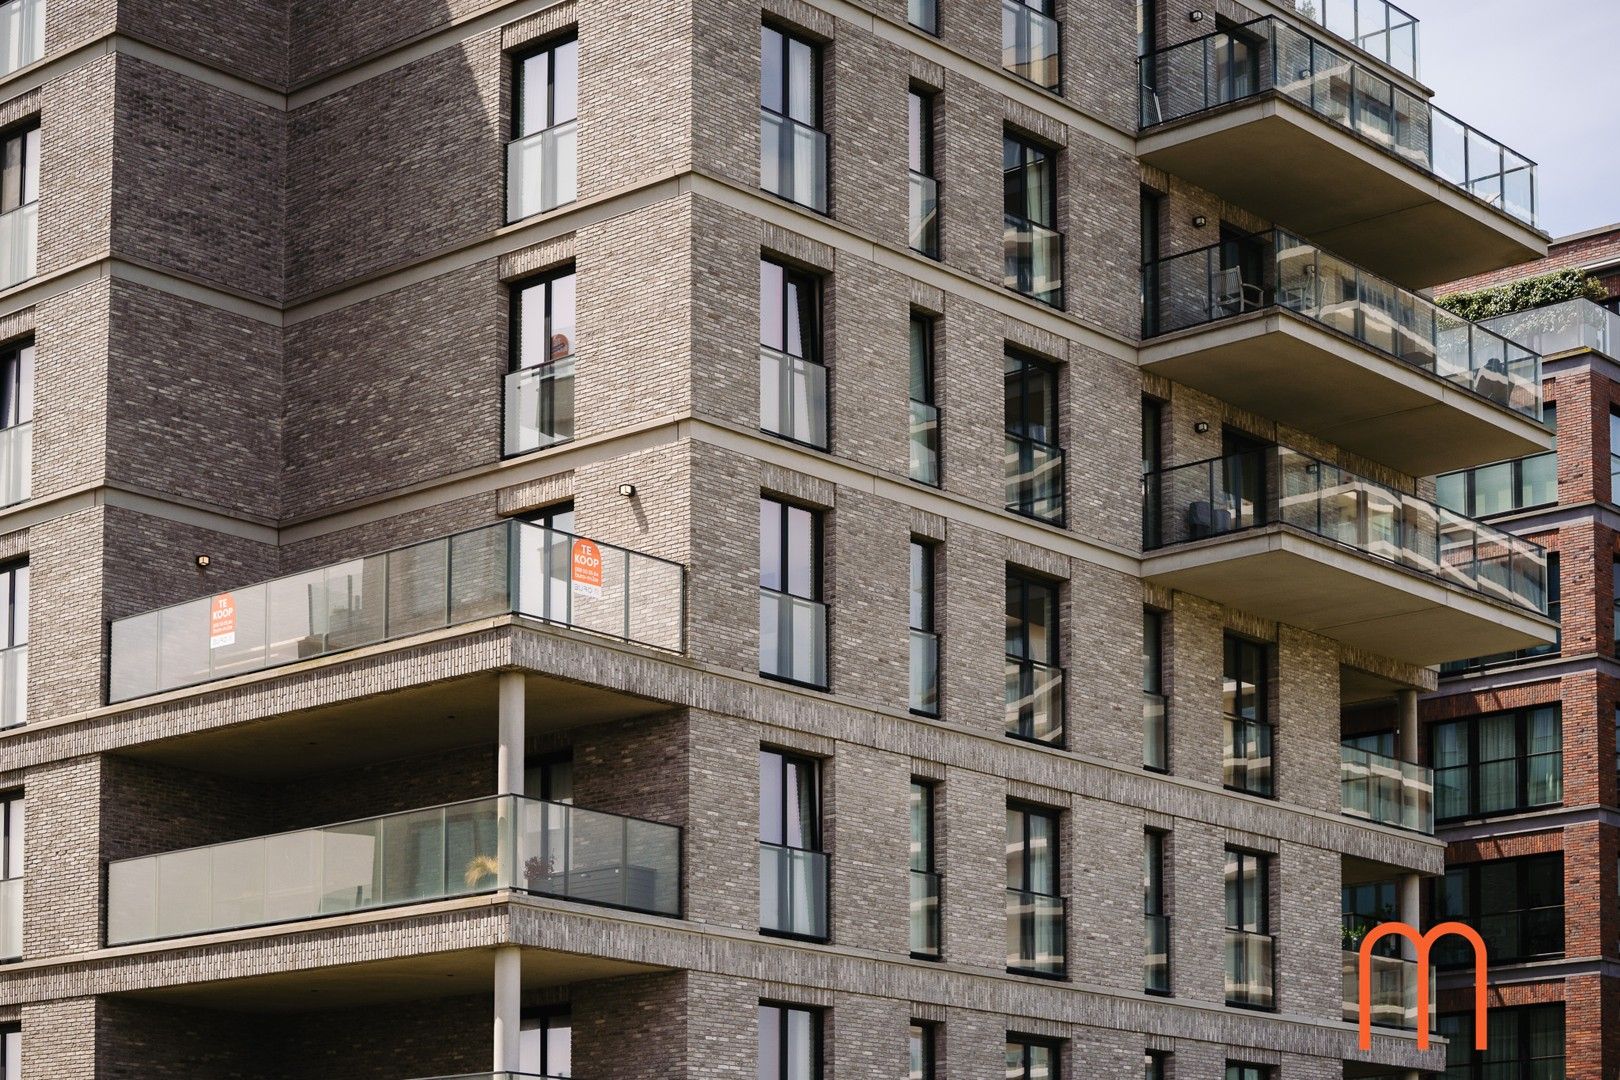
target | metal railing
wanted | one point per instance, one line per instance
(924, 464)
(925, 215)
(792, 638)
(1194, 288)
(511, 568)
(793, 160)
(1034, 701)
(19, 230)
(1278, 486)
(925, 672)
(1035, 932)
(542, 171)
(793, 397)
(22, 34)
(1269, 56)
(1563, 327)
(1032, 260)
(1376, 27)
(1155, 740)
(925, 893)
(1392, 991)
(1031, 44)
(792, 891)
(539, 406)
(1035, 479)
(480, 846)
(1156, 953)
(1386, 790)
(11, 911)
(1250, 969)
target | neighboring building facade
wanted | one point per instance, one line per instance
(1526, 744)
(441, 638)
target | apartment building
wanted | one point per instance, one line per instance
(443, 639)
(1524, 743)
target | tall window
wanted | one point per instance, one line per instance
(1152, 463)
(11, 875)
(1032, 248)
(792, 380)
(1034, 679)
(545, 1044)
(1030, 41)
(1034, 457)
(1029, 1058)
(1517, 905)
(924, 874)
(540, 387)
(1498, 764)
(1526, 1043)
(10, 1053)
(793, 871)
(920, 1041)
(1363, 906)
(789, 1042)
(1246, 709)
(1156, 1065)
(1035, 932)
(540, 162)
(1155, 917)
(16, 422)
(13, 644)
(19, 203)
(1155, 734)
(544, 590)
(1249, 944)
(924, 409)
(792, 618)
(792, 147)
(924, 185)
(924, 15)
(1614, 451)
(924, 637)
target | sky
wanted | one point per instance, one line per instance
(1540, 76)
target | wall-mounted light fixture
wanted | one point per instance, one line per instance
(202, 562)
(1202, 427)
(1199, 221)
(1195, 15)
(627, 490)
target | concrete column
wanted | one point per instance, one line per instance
(509, 759)
(1408, 709)
(508, 1007)
(1410, 900)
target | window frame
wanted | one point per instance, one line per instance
(1477, 1066)
(784, 547)
(520, 60)
(923, 574)
(1154, 622)
(1262, 878)
(17, 383)
(13, 835)
(1054, 816)
(817, 1035)
(26, 135)
(544, 1016)
(1472, 766)
(1525, 869)
(1031, 154)
(1263, 652)
(788, 38)
(1028, 1043)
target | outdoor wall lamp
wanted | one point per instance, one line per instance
(627, 490)
(1199, 221)
(1201, 427)
(1195, 15)
(202, 562)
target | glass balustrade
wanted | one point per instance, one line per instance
(1035, 479)
(22, 34)
(925, 672)
(13, 686)
(1035, 932)
(1155, 734)
(925, 913)
(1032, 260)
(1034, 701)
(18, 241)
(1031, 44)
(793, 160)
(1386, 790)
(539, 406)
(1392, 991)
(792, 891)
(925, 215)
(1563, 327)
(1250, 973)
(792, 638)
(1156, 955)
(11, 909)
(793, 397)
(1377, 27)
(541, 171)
(924, 464)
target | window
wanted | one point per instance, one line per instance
(1155, 1065)
(1030, 42)
(11, 875)
(924, 185)
(1035, 939)
(793, 871)
(792, 380)
(1237, 1070)
(19, 203)
(1155, 736)
(924, 875)
(1499, 763)
(1517, 905)
(1555, 611)
(789, 1042)
(1032, 248)
(10, 1054)
(1614, 452)
(1034, 457)
(1614, 588)
(1155, 917)
(1505, 486)
(540, 162)
(13, 644)
(16, 384)
(545, 1044)
(1152, 214)
(1526, 1043)
(924, 638)
(924, 410)
(1034, 679)
(543, 586)
(1246, 708)
(1029, 1058)
(550, 778)
(792, 618)
(1249, 943)
(540, 386)
(921, 1042)
(1147, 26)
(1152, 465)
(1365, 905)
(924, 15)
(792, 147)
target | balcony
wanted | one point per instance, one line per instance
(1034, 471)
(1035, 933)
(792, 892)
(22, 34)
(925, 215)
(924, 464)
(539, 406)
(1250, 970)
(1034, 701)
(1032, 260)
(18, 242)
(793, 160)
(1284, 536)
(1392, 991)
(463, 849)
(925, 891)
(11, 910)
(512, 568)
(1386, 790)
(793, 398)
(1031, 44)
(541, 171)
(1156, 954)
(1296, 131)
(792, 638)
(925, 672)
(1560, 328)
(1376, 27)
(1306, 338)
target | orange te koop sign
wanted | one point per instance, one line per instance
(586, 568)
(222, 621)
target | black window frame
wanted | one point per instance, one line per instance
(520, 61)
(1028, 1042)
(1153, 684)
(810, 291)
(1521, 759)
(1451, 953)
(923, 378)
(13, 839)
(545, 1015)
(1247, 1070)
(15, 582)
(1155, 1064)
(10, 1041)
(1262, 862)
(1458, 1029)
(1156, 895)
(923, 575)
(811, 766)
(25, 136)
(784, 566)
(925, 793)
(17, 383)
(1031, 153)
(1024, 583)
(817, 1034)
(1262, 653)
(1024, 370)
(788, 38)
(925, 1034)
